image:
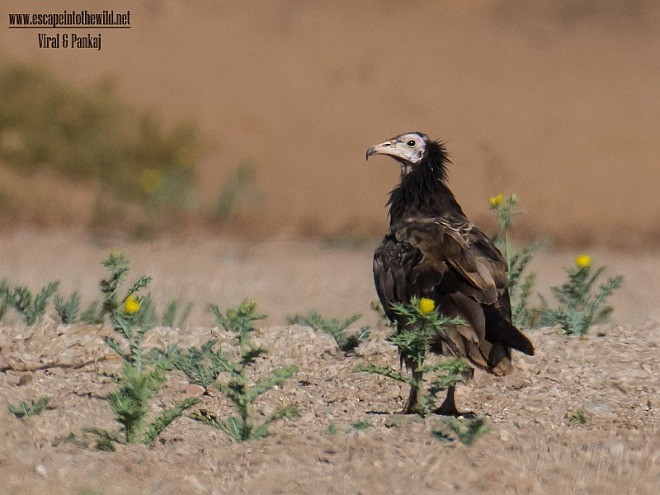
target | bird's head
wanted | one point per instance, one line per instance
(408, 149)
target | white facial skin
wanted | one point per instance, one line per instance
(407, 148)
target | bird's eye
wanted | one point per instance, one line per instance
(411, 143)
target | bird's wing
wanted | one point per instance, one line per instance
(457, 265)
(456, 256)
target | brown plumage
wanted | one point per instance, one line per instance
(432, 250)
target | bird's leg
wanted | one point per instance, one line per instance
(413, 405)
(448, 407)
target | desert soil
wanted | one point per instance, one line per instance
(533, 446)
(556, 100)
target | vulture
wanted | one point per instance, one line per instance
(431, 250)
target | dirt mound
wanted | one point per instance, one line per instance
(533, 447)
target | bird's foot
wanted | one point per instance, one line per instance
(450, 410)
(414, 406)
(448, 407)
(412, 409)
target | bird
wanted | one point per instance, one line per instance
(432, 250)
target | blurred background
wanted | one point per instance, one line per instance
(252, 118)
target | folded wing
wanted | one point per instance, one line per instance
(454, 263)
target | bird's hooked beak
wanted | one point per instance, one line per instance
(408, 149)
(389, 148)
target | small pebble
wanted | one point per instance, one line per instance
(25, 379)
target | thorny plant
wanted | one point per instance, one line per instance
(31, 307)
(423, 321)
(201, 365)
(361, 425)
(139, 379)
(67, 310)
(579, 305)
(34, 408)
(4, 298)
(383, 320)
(175, 316)
(520, 289)
(468, 431)
(239, 191)
(336, 328)
(238, 388)
(148, 316)
(93, 315)
(579, 417)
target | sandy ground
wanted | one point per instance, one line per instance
(555, 100)
(533, 447)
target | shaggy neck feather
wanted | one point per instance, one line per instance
(424, 189)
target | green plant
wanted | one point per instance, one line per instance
(201, 365)
(580, 417)
(423, 322)
(24, 409)
(4, 298)
(172, 311)
(520, 288)
(468, 430)
(93, 315)
(383, 320)
(148, 316)
(579, 307)
(521, 314)
(239, 389)
(31, 307)
(67, 310)
(239, 191)
(139, 379)
(333, 327)
(91, 134)
(361, 425)
(115, 305)
(105, 440)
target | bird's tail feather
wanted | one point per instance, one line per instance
(498, 329)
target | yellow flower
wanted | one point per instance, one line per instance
(426, 305)
(583, 261)
(495, 201)
(150, 179)
(131, 305)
